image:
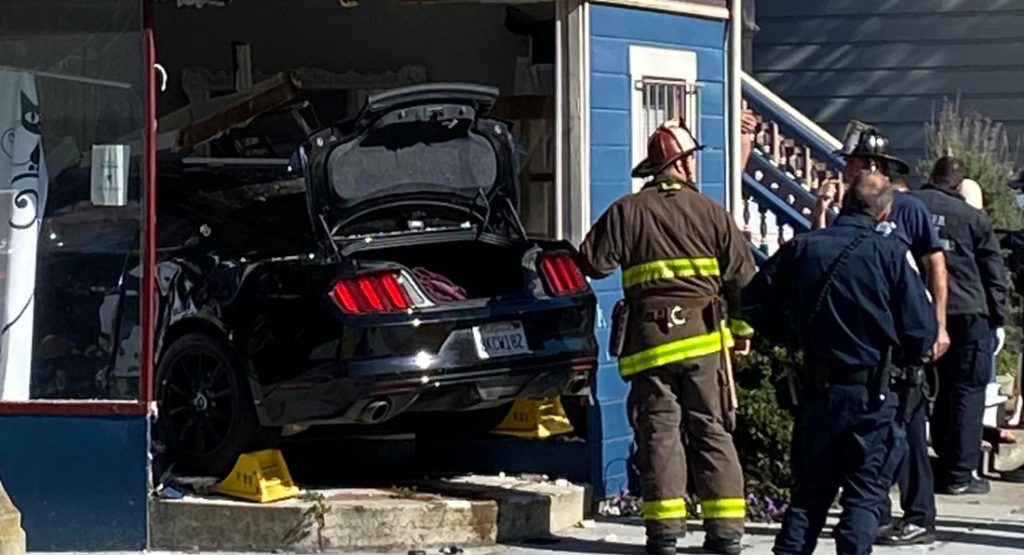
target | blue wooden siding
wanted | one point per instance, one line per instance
(81, 483)
(613, 31)
(891, 63)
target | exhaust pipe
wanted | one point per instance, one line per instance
(577, 385)
(375, 411)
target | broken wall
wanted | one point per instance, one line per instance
(462, 42)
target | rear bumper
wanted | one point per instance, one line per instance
(433, 364)
(348, 400)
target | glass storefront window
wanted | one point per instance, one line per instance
(71, 213)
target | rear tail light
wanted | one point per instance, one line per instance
(370, 293)
(583, 366)
(561, 273)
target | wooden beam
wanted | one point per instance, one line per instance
(711, 9)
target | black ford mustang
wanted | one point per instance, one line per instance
(393, 279)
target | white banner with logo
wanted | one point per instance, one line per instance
(23, 182)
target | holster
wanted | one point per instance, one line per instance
(788, 387)
(911, 387)
(620, 324)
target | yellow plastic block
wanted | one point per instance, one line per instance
(535, 418)
(261, 476)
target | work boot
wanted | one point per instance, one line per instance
(977, 486)
(723, 546)
(906, 533)
(661, 545)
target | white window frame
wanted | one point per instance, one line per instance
(667, 64)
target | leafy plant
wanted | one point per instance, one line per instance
(763, 428)
(984, 146)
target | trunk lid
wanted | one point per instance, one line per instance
(428, 150)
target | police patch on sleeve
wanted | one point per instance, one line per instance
(885, 228)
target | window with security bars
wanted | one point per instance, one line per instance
(665, 99)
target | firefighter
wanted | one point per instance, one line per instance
(683, 261)
(847, 298)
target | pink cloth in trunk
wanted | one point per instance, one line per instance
(438, 287)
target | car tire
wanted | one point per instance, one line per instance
(206, 414)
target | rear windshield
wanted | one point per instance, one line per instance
(415, 156)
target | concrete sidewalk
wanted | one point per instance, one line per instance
(982, 525)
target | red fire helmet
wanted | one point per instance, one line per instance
(669, 143)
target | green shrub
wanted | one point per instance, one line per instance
(763, 428)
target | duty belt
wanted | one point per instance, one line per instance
(823, 374)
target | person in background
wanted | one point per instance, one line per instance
(971, 191)
(1013, 241)
(977, 305)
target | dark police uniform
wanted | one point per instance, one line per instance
(680, 253)
(976, 305)
(849, 434)
(914, 475)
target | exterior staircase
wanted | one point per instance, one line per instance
(792, 157)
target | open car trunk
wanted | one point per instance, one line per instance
(459, 270)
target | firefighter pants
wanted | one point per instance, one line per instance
(957, 426)
(664, 403)
(845, 443)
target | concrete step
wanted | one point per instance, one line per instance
(466, 512)
(327, 519)
(12, 537)
(528, 507)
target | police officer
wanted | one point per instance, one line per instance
(680, 253)
(864, 147)
(977, 306)
(848, 298)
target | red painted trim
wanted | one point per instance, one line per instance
(148, 286)
(73, 408)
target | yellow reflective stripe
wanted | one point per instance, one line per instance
(726, 507)
(670, 186)
(676, 351)
(668, 269)
(739, 328)
(665, 509)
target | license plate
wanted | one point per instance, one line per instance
(500, 340)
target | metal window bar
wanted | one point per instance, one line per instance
(665, 99)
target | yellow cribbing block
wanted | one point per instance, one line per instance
(261, 476)
(535, 418)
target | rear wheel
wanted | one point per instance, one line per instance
(206, 413)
